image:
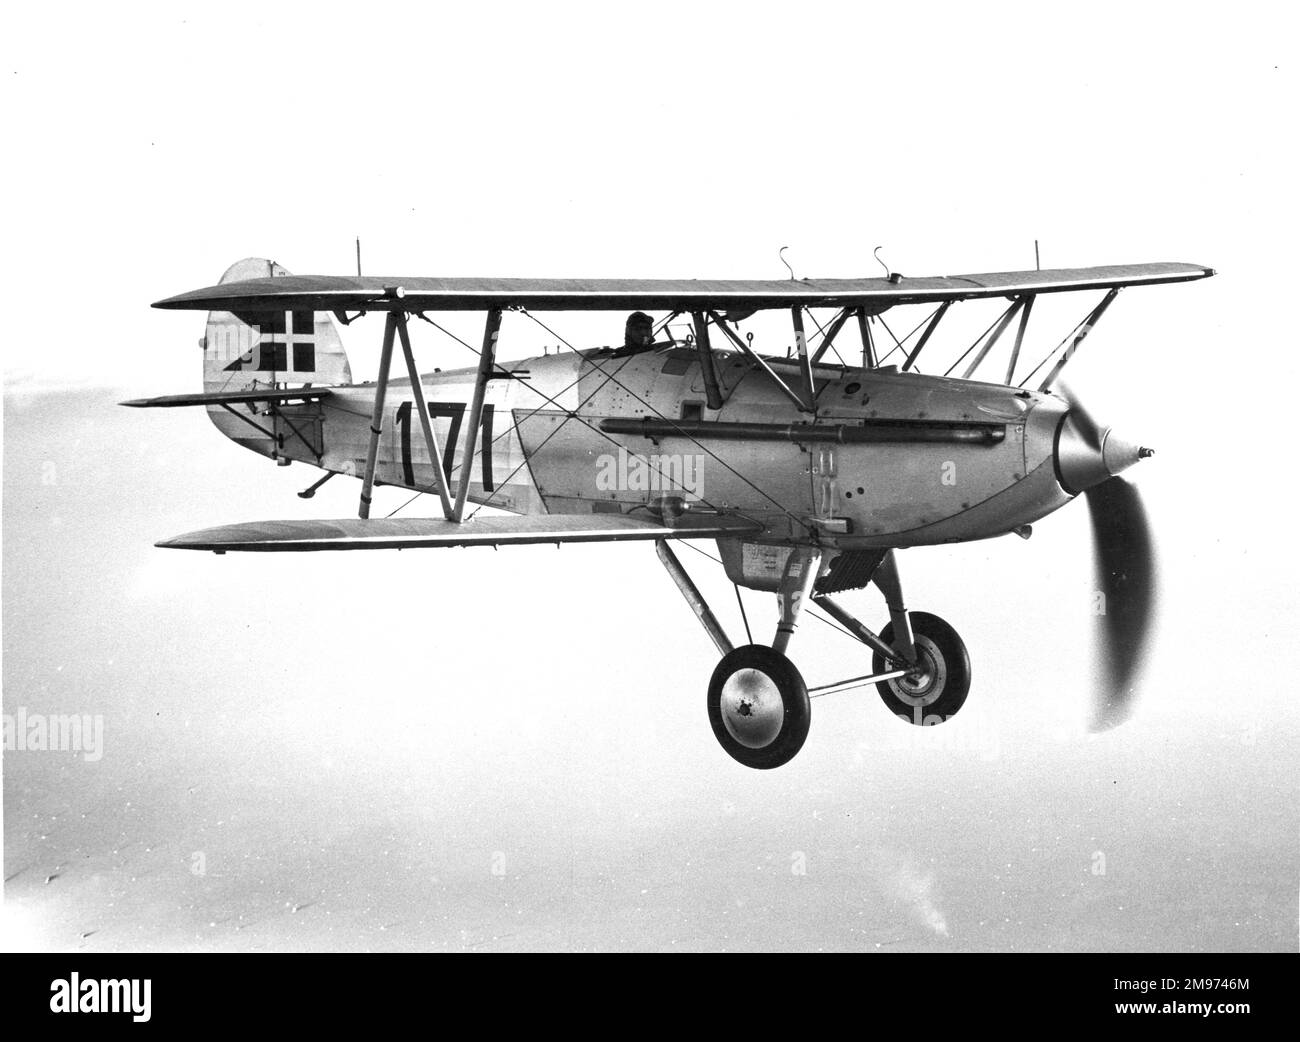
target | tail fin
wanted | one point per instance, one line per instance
(277, 347)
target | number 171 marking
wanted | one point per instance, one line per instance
(453, 411)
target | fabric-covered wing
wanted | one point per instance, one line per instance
(372, 293)
(409, 533)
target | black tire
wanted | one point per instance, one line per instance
(780, 697)
(941, 690)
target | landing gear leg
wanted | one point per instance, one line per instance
(887, 580)
(939, 681)
(757, 702)
(693, 597)
(796, 584)
(920, 665)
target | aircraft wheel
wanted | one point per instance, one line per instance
(938, 688)
(758, 706)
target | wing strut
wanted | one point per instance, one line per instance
(1005, 321)
(925, 337)
(1020, 337)
(832, 331)
(748, 352)
(869, 348)
(712, 391)
(431, 442)
(486, 360)
(394, 329)
(868, 345)
(1076, 339)
(377, 415)
(805, 365)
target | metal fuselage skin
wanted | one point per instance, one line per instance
(537, 455)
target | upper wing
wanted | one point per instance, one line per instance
(406, 533)
(343, 292)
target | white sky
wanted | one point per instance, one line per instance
(151, 145)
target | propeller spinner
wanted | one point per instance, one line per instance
(1089, 459)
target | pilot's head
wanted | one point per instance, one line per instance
(640, 330)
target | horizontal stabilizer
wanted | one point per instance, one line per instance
(173, 401)
(369, 293)
(412, 532)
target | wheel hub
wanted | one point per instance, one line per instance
(919, 676)
(924, 682)
(752, 709)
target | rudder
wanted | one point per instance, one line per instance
(242, 351)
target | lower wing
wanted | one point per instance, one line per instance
(411, 533)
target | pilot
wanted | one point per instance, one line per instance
(638, 334)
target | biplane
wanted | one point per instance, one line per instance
(809, 471)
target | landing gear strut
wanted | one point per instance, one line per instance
(758, 703)
(936, 677)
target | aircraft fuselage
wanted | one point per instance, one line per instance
(890, 459)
